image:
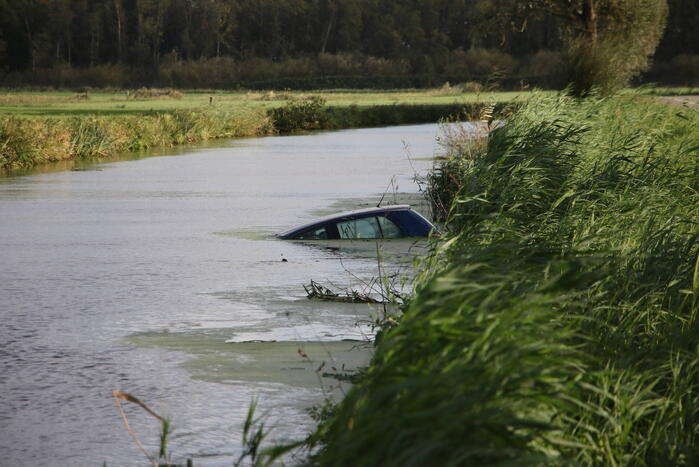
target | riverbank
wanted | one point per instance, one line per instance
(37, 128)
(27, 142)
(557, 321)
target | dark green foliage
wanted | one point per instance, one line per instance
(304, 114)
(313, 114)
(624, 37)
(301, 44)
(557, 324)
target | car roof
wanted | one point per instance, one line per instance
(358, 212)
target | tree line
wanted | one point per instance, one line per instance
(420, 37)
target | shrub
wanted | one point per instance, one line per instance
(153, 93)
(302, 114)
(544, 63)
(377, 66)
(588, 68)
(471, 87)
(625, 36)
(483, 62)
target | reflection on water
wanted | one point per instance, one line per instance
(152, 275)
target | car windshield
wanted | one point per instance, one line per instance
(367, 227)
(373, 223)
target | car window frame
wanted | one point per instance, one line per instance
(331, 227)
(388, 219)
(356, 219)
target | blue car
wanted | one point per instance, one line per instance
(385, 222)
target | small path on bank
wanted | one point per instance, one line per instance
(691, 102)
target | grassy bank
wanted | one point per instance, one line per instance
(26, 142)
(39, 127)
(557, 322)
(62, 104)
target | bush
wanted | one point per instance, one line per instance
(153, 93)
(478, 62)
(303, 114)
(593, 68)
(472, 87)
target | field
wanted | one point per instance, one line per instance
(65, 104)
(137, 102)
(41, 127)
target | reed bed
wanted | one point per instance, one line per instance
(26, 142)
(557, 322)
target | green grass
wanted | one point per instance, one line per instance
(27, 142)
(557, 321)
(40, 127)
(668, 91)
(65, 104)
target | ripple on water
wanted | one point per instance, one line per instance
(182, 244)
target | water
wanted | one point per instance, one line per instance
(150, 276)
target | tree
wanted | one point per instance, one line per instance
(150, 18)
(609, 42)
(120, 19)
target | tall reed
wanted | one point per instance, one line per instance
(26, 142)
(557, 323)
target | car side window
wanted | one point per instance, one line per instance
(389, 229)
(367, 227)
(317, 234)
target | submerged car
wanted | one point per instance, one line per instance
(381, 222)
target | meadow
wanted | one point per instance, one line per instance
(556, 321)
(138, 102)
(41, 127)
(93, 102)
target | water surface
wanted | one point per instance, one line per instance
(159, 277)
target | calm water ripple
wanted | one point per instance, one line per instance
(135, 274)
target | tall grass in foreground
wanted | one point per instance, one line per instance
(557, 323)
(26, 142)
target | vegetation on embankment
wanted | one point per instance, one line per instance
(314, 114)
(47, 127)
(60, 104)
(26, 142)
(557, 321)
